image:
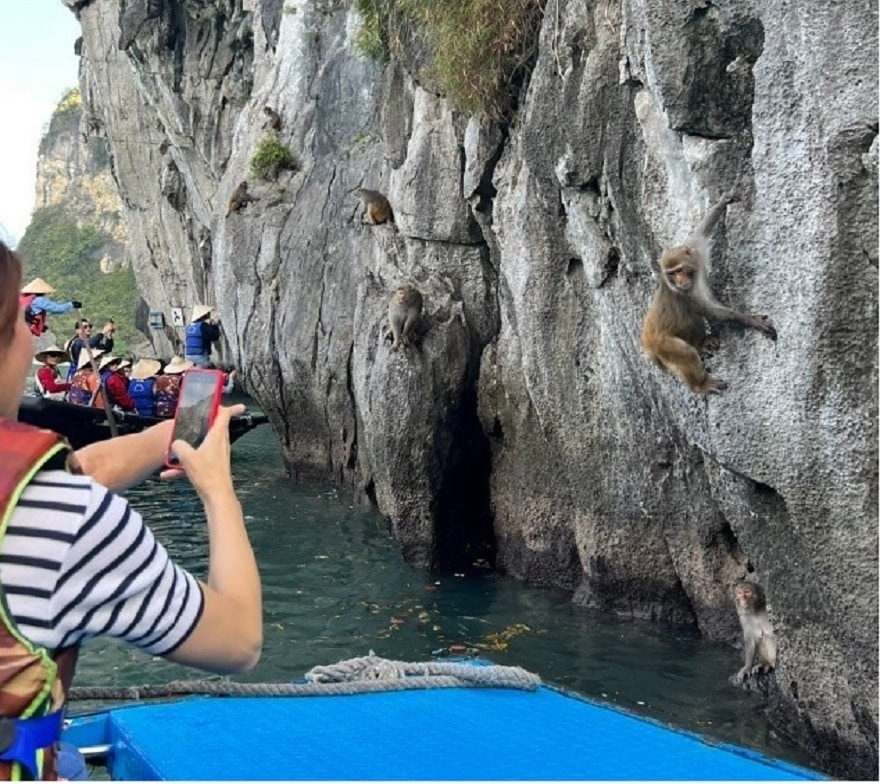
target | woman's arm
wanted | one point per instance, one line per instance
(229, 634)
(120, 463)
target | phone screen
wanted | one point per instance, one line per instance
(196, 409)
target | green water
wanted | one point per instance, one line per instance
(335, 587)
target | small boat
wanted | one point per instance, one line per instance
(82, 425)
(397, 721)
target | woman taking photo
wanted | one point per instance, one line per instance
(76, 561)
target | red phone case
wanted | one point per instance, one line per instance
(199, 377)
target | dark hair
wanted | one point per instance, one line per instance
(10, 287)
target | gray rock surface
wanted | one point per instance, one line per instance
(528, 419)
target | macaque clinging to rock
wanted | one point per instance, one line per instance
(240, 197)
(674, 331)
(759, 641)
(273, 119)
(404, 311)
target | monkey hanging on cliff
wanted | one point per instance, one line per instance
(240, 198)
(377, 210)
(674, 331)
(404, 311)
(273, 119)
(759, 641)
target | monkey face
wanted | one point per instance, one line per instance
(744, 595)
(680, 277)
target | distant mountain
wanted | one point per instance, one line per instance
(8, 238)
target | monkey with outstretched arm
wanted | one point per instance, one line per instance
(759, 640)
(674, 330)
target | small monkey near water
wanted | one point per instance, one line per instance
(377, 210)
(759, 641)
(404, 310)
(674, 331)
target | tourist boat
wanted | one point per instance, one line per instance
(82, 425)
(432, 721)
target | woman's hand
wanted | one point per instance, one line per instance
(208, 467)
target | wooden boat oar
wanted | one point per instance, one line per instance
(108, 409)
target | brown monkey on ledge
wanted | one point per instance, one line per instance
(674, 331)
(273, 121)
(758, 637)
(377, 210)
(404, 310)
(240, 197)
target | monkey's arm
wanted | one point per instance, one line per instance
(715, 311)
(749, 642)
(716, 211)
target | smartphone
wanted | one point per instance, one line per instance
(197, 406)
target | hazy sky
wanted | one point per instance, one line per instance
(37, 65)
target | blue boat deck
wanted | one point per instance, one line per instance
(457, 733)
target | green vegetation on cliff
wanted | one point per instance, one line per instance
(67, 255)
(481, 51)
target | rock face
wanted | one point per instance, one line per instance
(73, 172)
(526, 423)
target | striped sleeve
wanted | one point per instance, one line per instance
(99, 569)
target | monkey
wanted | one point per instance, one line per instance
(273, 120)
(674, 330)
(404, 310)
(377, 210)
(240, 197)
(758, 636)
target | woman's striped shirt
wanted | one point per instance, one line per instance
(78, 562)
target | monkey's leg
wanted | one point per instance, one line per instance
(408, 326)
(684, 360)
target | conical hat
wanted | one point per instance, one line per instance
(108, 360)
(178, 365)
(84, 357)
(145, 368)
(40, 356)
(124, 364)
(200, 311)
(37, 286)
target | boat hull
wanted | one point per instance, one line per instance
(82, 425)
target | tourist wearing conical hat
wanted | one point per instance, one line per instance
(37, 304)
(114, 383)
(47, 381)
(167, 386)
(142, 381)
(200, 334)
(85, 384)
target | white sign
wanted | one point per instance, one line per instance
(177, 317)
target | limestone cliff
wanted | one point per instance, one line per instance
(528, 420)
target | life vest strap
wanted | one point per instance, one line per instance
(20, 739)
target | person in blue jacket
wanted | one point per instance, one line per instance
(201, 332)
(37, 305)
(140, 386)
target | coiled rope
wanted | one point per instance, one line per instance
(361, 675)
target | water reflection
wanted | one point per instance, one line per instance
(336, 587)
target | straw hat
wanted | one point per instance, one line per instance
(37, 286)
(145, 368)
(199, 311)
(124, 364)
(178, 365)
(83, 360)
(40, 356)
(108, 360)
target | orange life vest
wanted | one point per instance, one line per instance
(32, 681)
